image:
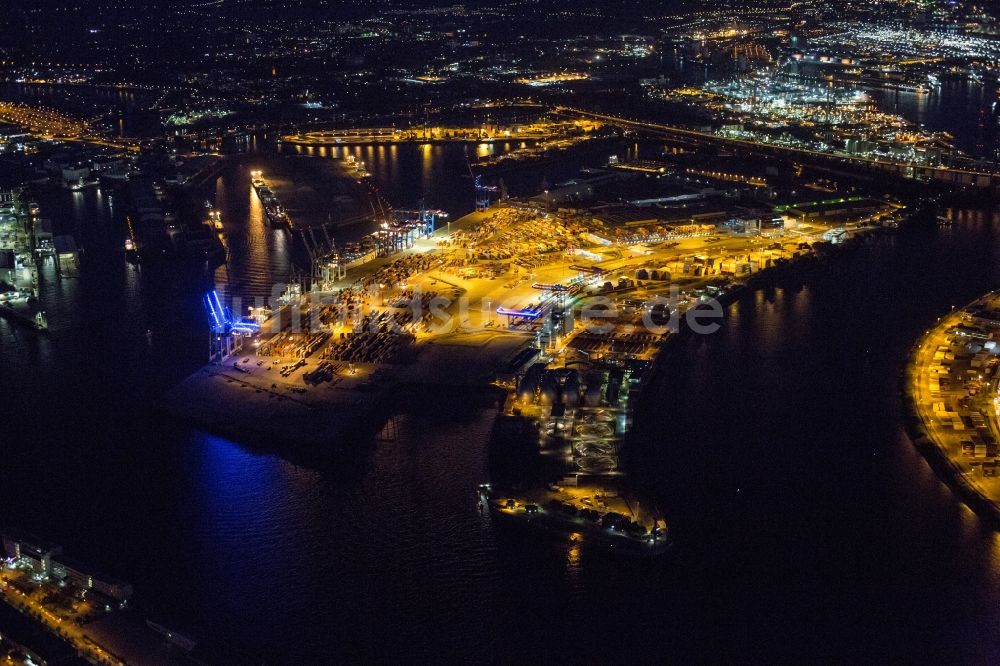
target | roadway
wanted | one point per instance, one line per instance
(977, 178)
(63, 625)
(51, 124)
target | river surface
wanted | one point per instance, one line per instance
(966, 109)
(807, 527)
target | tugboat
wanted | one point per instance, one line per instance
(131, 251)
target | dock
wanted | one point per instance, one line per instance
(454, 309)
(247, 399)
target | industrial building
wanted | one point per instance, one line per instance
(47, 560)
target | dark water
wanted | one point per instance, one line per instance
(407, 176)
(966, 109)
(439, 175)
(126, 111)
(821, 531)
(257, 255)
(806, 525)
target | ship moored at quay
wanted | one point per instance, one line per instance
(276, 214)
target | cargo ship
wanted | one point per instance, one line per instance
(276, 215)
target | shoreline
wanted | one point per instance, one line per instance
(553, 509)
(929, 446)
(21, 318)
(330, 421)
(244, 400)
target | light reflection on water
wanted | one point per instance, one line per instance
(837, 523)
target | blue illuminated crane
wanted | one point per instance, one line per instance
(223, 327)
(483, 193)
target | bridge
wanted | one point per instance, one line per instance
(986, 180)
(49, 123)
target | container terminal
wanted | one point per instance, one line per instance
(498, 301)
(952, 387)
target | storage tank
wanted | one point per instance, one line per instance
(614, 386)
(592, 394)
(529, 384)
(550, 389)
(571, 389)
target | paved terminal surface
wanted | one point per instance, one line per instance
(247, 398)
(953, 385)
(500, 257)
